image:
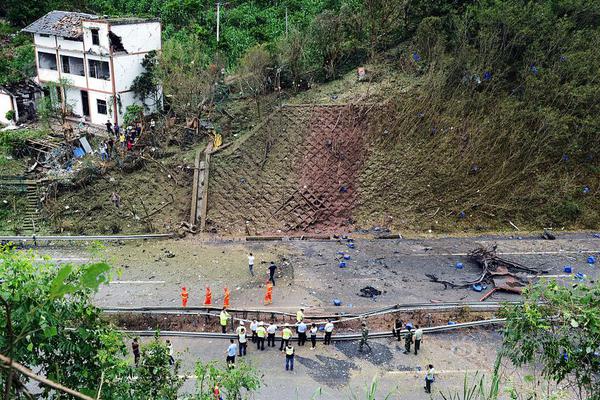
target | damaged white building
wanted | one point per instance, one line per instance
(89, 63)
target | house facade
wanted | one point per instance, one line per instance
(88, 63)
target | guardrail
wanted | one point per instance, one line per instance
(35, 238)
(346, 337)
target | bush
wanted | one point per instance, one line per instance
(10, 115)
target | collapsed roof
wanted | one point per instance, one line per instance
(60, 23)
(24, 86)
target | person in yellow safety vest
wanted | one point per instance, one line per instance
(286, 335)
(300, 315)
(289, 357)
(223, 318)
(261, 333)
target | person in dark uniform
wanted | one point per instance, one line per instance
(272, 268)
(408, 340)
(397, 328)
(135, 346)
(364, 338)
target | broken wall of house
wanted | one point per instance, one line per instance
(139, 37)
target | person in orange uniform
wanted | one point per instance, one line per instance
(226, 298)
(184, 297)
(269, 294)
(208, 297)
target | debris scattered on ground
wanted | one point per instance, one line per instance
(369, 291)
(501, 273)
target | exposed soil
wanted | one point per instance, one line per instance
(161, 191)
(202, 323)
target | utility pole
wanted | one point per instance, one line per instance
(286, 22)
(218, 19)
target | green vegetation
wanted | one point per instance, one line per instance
(17, 57)
(50, 325)
(558, 328)
(496, 119)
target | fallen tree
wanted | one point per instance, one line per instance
(499, 272)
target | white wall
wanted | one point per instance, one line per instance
(44, 41)
(96, 118)
(102, 27)
(127, 68)
(69, 44)
(73, 97)
(140, 37)
(6, 105)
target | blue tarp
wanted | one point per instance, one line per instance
(78, 152)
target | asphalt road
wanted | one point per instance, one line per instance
(152, 273)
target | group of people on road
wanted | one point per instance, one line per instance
(413, 334)
(260, 332)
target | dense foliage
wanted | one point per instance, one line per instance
(17, 59)
(558, 328)
(49, 325)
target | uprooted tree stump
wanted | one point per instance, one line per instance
(497, 271)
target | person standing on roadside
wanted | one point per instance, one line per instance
(397, 328)
(313, 336)
(429, 378)
(251, 264)
(261, 333)
(253, 326)
(289, 357)
(272, 268)
(408, 338)
(242, 339)
(418, 338)
(231, 352)
(302, 333)
(286, 335)
(170, 347)
(328, 332)
(135, 346)
(364, 337)
(271, 331)
(223, 318)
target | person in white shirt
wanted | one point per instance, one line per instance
(251, 264)
(313, 336)
(231, 352)
(429, 378)
(302, 328)
(418, 338)
(328, 332)
(242, 340)
(253, 326)
(271, 331)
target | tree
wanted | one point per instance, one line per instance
(254, 77)
(235, 383)
(188, 78)
(558, 327)
(146, 85)
(292, 56)
(50, 325)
